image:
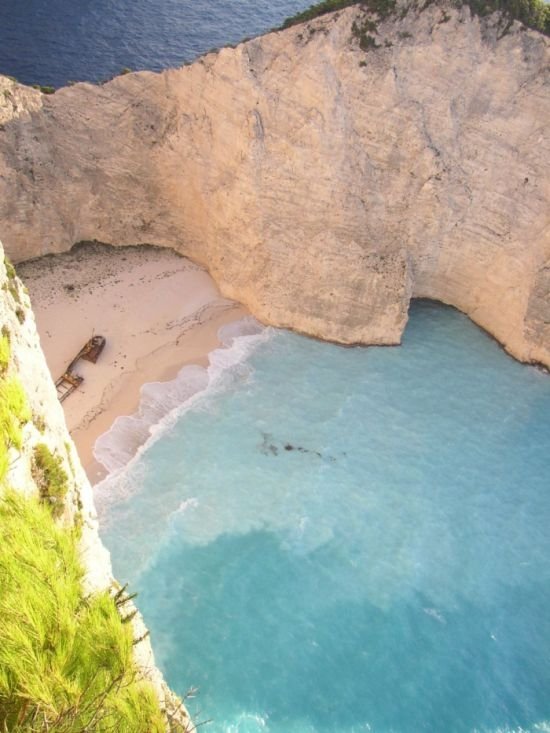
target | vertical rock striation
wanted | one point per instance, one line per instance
(323, 185)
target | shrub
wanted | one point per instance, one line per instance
(45, 89)
(532, 13)
(5, 352)
(10, 269)
(66, 663)
(50, 477)
(382, 8)
(367, 42)
(328, 6)
(360, 32)
(14, 413)
(39, 422)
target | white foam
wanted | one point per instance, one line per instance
(115, 448)
(191, 503)
(248, 723)
(162, 403)
(434, 613)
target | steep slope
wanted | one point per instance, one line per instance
(38, 459)
(324, 174)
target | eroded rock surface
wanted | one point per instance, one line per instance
(322, 185)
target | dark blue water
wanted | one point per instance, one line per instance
(56, 41)
(350, 540)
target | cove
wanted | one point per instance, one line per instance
(336, 540)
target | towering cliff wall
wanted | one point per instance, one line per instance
(322, 184)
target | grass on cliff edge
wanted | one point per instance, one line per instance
(66, 662)
(534, 14)
(50, 477)
(14, 413)
(5, 352)
(14, 409)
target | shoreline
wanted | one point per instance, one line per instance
(126, 395)
(152, 329)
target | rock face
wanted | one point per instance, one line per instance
(17, 318)
(48, 426)
(321, 184)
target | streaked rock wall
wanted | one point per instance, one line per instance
(322, 185)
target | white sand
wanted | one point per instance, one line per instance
(157, 310)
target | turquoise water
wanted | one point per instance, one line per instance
(346, 539)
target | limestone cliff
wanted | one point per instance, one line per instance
(322, 184)
(47, 428)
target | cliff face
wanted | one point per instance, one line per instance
(47, 428)
(322, 185)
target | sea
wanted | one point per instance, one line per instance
(338, 540)
(323, 539)
(54, 42)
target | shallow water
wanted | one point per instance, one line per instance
(56, 41)
(346, 539)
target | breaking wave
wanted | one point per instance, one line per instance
(161, 403)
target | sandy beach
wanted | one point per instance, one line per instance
(158, 312)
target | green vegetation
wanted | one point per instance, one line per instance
(327, 6)
(45, 89)
(10, 269)
(39, 422)
(5, 351)
(69, 458)
(14, 413)
(532, 13)
(66, 661)
(50, 477)
(382, 8)
(361, 32)
(12, 286)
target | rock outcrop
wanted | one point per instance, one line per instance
(323, 185)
